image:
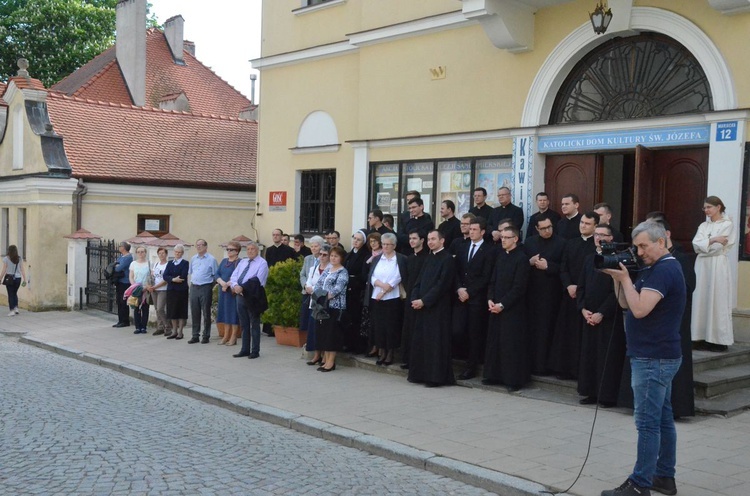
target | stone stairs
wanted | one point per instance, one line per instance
(722, 381)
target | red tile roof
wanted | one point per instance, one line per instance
(138, 145)
(101, 80)
(83, 234)
(24, 83)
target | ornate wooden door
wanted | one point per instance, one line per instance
(578, 174)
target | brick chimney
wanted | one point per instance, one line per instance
(173, 31)
(130, 47)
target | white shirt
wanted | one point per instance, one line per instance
(386, 271)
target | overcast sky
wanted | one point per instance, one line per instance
(226, 34)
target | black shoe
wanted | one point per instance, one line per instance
(588, 400)
(270, 334)
(205, 340)
(607, 404)
(240, 355)
(193, 340)
(315, 362)
(372, 354)
(468, 374)
(137, 331)
(379, 362)
(490, 382)
(121, 324)
(664, 485)
(253, 355)
(431, 384)
(718, 348)
(323, 369)
(404, 366)
(386, 363)
(628, 488)
(171, 336)
(513, 389)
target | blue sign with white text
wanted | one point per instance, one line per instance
(687, 135)
(726, 131)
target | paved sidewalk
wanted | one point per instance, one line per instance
(455, 430)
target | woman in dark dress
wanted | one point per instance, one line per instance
(354, 264)
(227, 320)
(330, 338)
(176, 275)
(373, 242)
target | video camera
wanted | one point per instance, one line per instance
(613, 254)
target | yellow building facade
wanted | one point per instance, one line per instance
(442, 96)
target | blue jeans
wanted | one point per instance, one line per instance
(250, 323)
(657, 438)
(13, 293)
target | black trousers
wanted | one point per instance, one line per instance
(123, 310)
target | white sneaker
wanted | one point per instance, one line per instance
(12, 313)
(16, 310)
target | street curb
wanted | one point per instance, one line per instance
(467, 473)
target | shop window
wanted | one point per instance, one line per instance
(633, 78)
(158, 225)
(437, 180)
(317, 201)
(454, 183)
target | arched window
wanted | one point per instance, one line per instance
(632, 78)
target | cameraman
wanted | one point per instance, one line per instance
(654, 305)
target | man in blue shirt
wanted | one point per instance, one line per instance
(654, 303)
(202, 273)
(122, 283)
(252, 266)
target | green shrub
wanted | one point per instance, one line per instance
(284, 294)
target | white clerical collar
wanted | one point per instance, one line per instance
(438, 251)
(586, 237)
(571, 216)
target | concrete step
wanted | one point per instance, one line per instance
(726, 405)
(737, 354)
(715, 382)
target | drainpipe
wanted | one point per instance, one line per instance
(81, 189)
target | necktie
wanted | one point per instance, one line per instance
(471, 253)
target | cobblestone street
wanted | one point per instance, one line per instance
(69, 427)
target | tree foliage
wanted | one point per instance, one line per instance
(56, 36)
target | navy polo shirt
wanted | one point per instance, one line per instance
(657, 335)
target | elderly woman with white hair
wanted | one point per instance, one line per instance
(311, 261)
(387, 270)
(176, 275)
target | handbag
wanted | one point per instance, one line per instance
(9, 279)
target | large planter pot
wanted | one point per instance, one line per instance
(290, 336)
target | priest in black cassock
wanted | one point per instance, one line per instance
(566, 340)
(506, 360)
(414, 265)
(567, 226)
(430, 355)
(545, 251)
(602, 331)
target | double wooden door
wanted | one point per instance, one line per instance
(671, 181)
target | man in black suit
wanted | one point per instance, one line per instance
(276, 253)
(542, 202)
(404, 216)
(480, 208)
(464, 239)
(505, 210)
(605, 217)
(451, 226)
(375, 222)
(419, 220)
(474, 262)
(568, 225)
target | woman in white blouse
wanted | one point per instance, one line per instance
(383, 296)
(711, 324)
(140, 274)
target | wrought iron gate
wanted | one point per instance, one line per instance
(100, 293)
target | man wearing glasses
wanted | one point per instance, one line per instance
(505, 210)
(566, 342)
(457, 243)
(545, 252)
(602, 324)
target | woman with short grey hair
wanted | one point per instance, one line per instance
(176, 275)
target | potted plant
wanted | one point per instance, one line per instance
(283, 292)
